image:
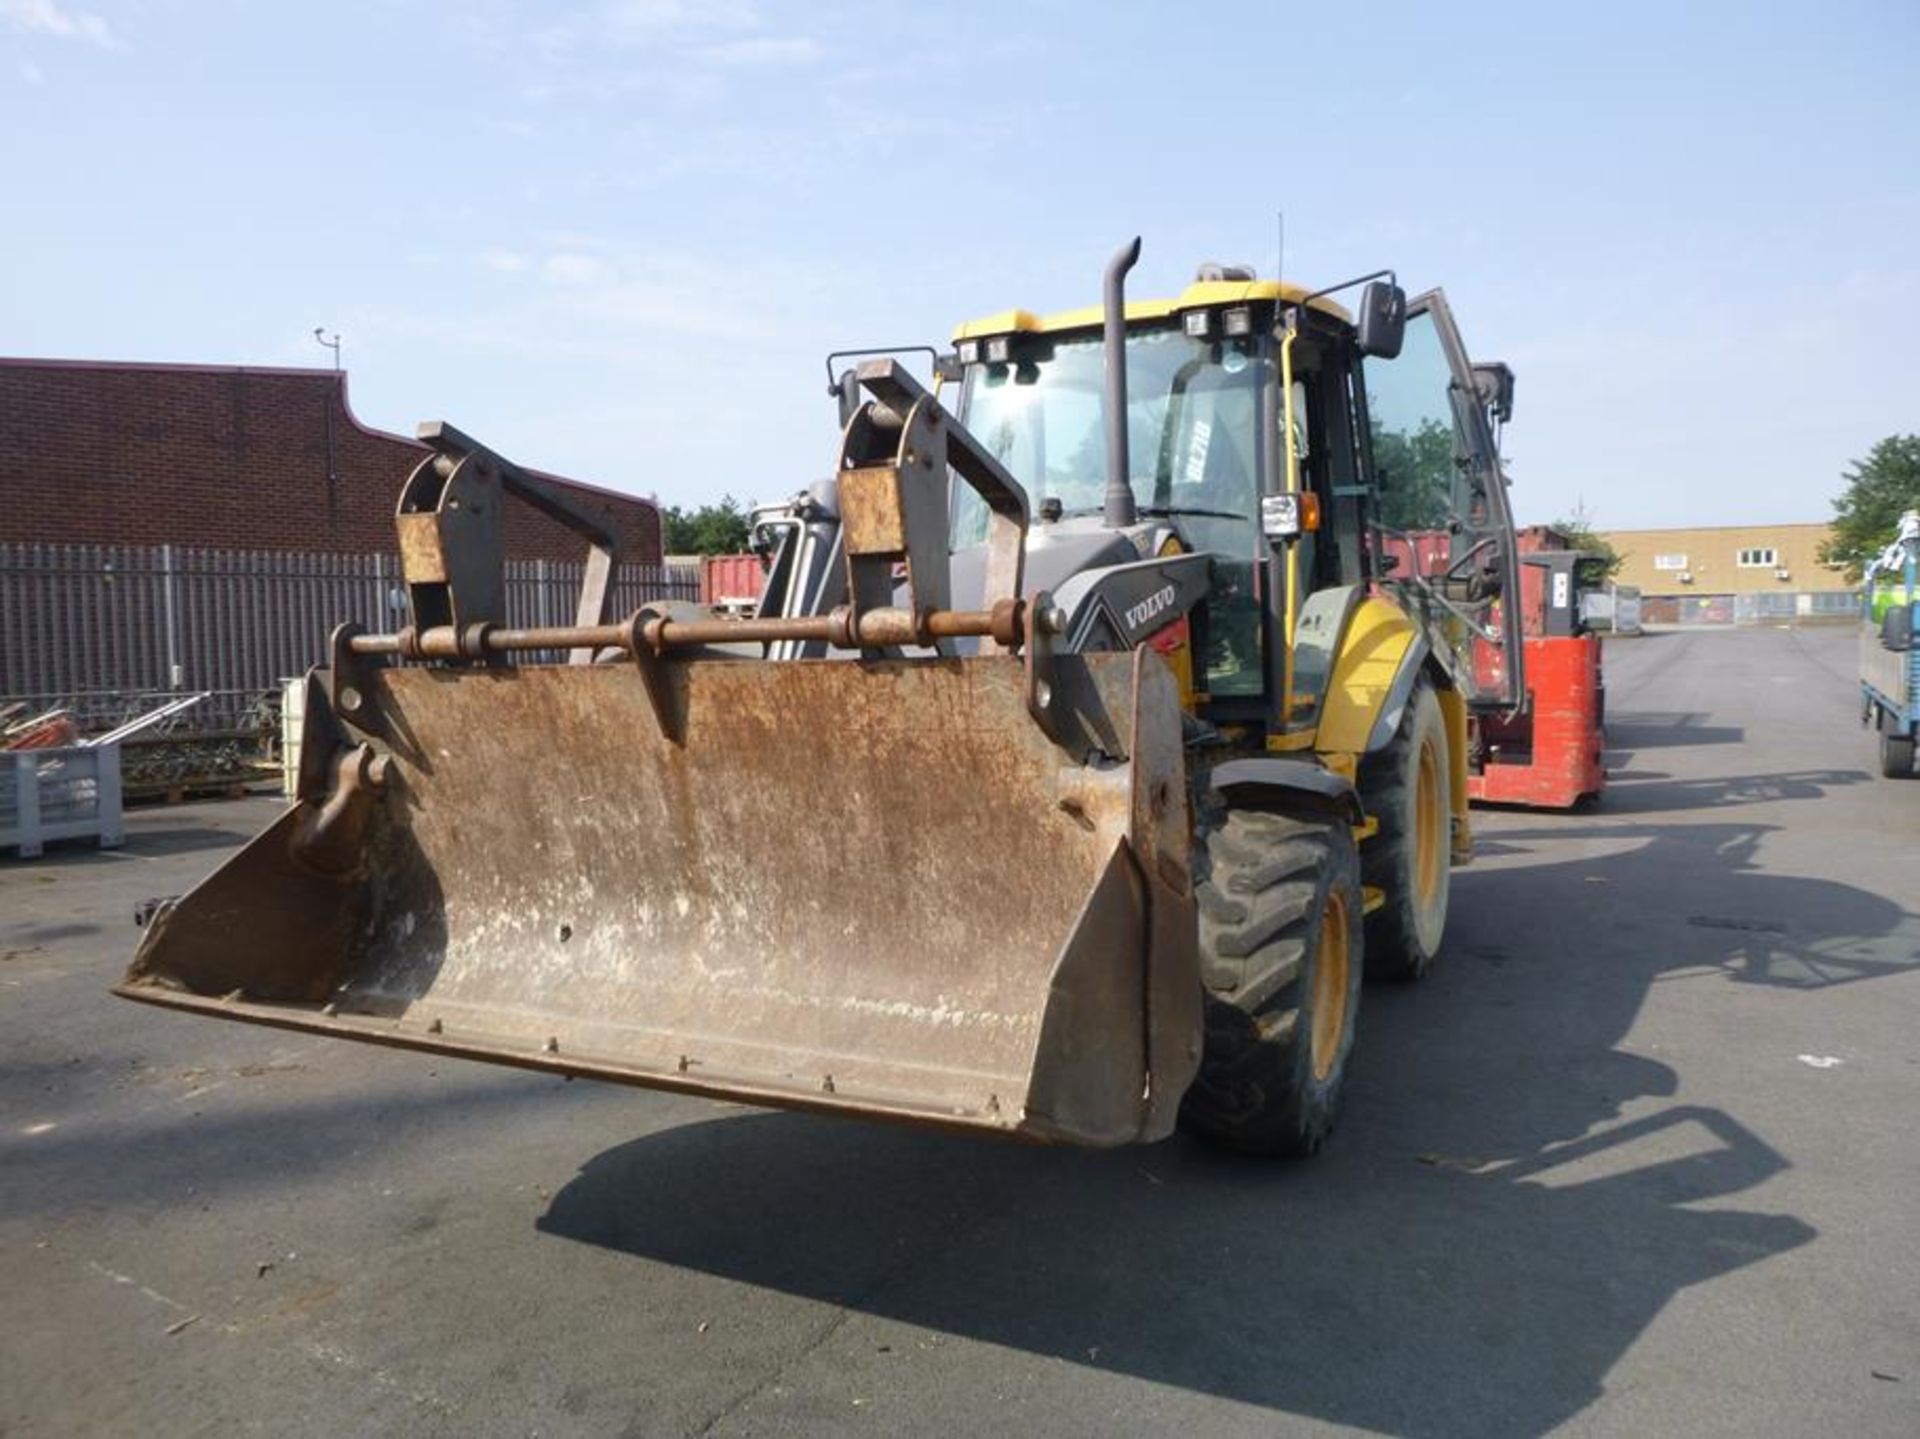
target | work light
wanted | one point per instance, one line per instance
(1280, 516)
(1287, 517)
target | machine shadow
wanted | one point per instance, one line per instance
(1509, 1205)
(147, 842)
(1427, 1299)
(23, 938)
(1642, 793)
(1666, 729)
(237, 1154)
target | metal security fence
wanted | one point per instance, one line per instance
(1615, 608)
(1795, 607)
(105, 630)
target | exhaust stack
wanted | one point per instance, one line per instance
(1117, 504)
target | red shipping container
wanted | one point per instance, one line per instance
(730, 579)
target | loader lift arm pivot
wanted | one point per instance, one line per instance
(895, 455)
(452, 545)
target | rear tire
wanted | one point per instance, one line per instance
(1281, 956)
(1408, 788)
(1896, 755)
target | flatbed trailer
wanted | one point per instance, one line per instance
(1889, 655)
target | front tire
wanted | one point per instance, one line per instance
(1896, 755)
(1408, 788)
(1281, 953)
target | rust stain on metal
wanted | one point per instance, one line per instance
(421, 558)
(869, 885)
(871, 512)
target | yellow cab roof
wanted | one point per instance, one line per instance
(1199, 295)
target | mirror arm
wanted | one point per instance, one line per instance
(1386, 275)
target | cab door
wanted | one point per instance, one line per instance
(1444, 531)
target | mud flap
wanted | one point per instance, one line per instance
(872, 886)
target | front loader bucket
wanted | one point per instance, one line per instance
(869, 886)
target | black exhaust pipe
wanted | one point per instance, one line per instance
(1117, 506)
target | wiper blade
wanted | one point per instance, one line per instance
(1165, 510)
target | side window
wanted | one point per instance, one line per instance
(1410, 411)
(1446, 533)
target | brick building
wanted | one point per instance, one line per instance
(1733, 573)
(228, 456)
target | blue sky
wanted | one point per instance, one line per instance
(615, 239)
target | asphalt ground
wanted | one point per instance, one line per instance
(1641, 1156)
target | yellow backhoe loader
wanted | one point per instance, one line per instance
(1105, 715)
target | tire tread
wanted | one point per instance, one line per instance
(1261, 877)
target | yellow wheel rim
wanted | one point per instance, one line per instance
(1330, 976)
(1429, 827)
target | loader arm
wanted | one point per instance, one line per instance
(451, 539)
(590, 868)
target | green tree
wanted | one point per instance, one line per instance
(713, 529)
(1416, 475)
(1879, 490)
(1582, 536)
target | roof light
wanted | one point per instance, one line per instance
(969, 351)
(999, 350)
(1237, 321)
(1198, 323)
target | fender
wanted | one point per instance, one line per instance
(1398, 693)
(1380, 655)
(1287, 784)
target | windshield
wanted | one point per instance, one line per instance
(1193, 409)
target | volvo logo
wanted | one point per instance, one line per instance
(1155, 603)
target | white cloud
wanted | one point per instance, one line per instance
(573, 270)
(765, 51)
(573, 240)
(580, 295)
(680, 48)
(659, 294)
(44, 17)
(637, 17)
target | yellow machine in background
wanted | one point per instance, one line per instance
(1104, 718)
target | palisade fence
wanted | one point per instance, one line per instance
(1792, 608)
(110, 631)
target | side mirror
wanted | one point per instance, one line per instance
(846, 394)
(1382, 321)
(1493, 384)
(1896, 628)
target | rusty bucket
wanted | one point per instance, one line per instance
(872, 886)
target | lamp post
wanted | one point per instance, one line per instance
(333, 478)
(320, 338)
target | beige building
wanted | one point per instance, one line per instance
(1749, 571)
